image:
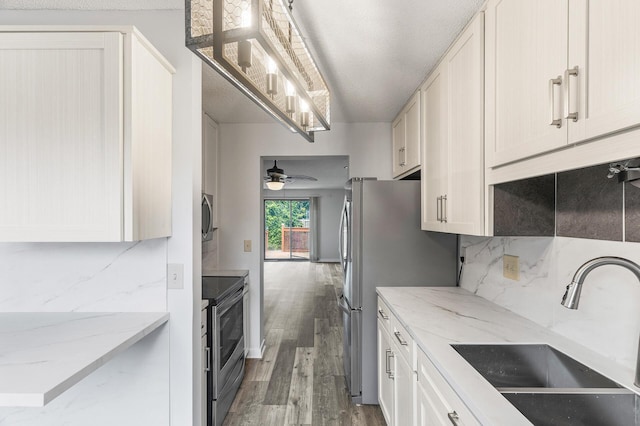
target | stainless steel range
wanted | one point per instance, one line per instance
(226, 340)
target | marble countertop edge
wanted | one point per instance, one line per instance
(42, 392)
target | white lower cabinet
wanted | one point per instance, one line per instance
(385, 379)
(437, 403)
(411, 391)
(396, 370)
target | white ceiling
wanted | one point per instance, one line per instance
(373, 53)
(330, 171)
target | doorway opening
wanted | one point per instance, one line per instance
(287, 229)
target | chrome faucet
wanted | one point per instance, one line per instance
(572, 295)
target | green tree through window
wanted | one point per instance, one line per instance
(287, 213)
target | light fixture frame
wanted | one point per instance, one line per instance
(218, 38)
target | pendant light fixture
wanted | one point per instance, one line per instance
(256, 45)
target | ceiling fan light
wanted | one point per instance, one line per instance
(275, 185)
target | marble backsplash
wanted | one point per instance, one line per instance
(84, 277)
(607, 321)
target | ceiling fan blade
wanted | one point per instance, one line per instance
(301, 177)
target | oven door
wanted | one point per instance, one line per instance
(229, 345)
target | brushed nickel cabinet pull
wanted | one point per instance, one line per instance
(553, 121)
(573, 72)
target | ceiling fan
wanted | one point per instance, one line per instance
(276, 178)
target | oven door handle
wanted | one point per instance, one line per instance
(230, 302)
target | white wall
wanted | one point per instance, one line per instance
(368, 146)
(153, 382)
(329, 211)
(607, 321)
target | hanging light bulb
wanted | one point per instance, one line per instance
(290, 99)
(272, 77)
(244, 46)
(304, 114)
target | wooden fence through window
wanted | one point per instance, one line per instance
(299, 239)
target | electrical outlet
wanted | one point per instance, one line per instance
(511, 267)
(247, 246)
(175, 275)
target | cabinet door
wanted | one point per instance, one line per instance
(434, 115)
(604, 43)
(426, 409)
(398, 145)
(464, 203)
(526, 48)
(412, 134)
(385, 382)
(403, 390)
(61, 136)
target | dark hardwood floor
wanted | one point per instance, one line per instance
(300, 380)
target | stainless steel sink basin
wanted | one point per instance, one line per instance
(530, 366)
(550, 388)
(577, 409)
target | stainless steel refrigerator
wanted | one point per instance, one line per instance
(381, 245)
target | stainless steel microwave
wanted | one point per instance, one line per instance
(207, 217)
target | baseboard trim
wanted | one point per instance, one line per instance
(257, 353)
(328, 260)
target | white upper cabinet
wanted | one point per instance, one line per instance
(526, 49)
(406, 139)
(434, 175)
(604, 47)
(453, 151)
(85, 136)
(559, 72)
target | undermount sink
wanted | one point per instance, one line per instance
(530, 366)
(588, 409)
(550, 388)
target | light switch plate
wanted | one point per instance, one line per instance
(247, 246)
(175, 275)
(511, 267)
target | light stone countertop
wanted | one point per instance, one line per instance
(42, 354)
(437, 317)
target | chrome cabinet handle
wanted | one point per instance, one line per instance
(573, 72)
(444, 208)
(207, 352)
(439, 209)
(552, 102)
(391, 355)
(454, 418)
(387, 363)
(400, 339)
(382, 314)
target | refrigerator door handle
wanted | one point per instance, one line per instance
(341, 304)
(344, 306)
(341, 248)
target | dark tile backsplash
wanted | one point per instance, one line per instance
(632, 210)
(583, 203)
(525, 207)
(589, 205)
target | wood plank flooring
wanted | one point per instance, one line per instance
(300, 380)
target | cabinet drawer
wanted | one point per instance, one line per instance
(403, 342)
(445, 401)
(384, 315)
